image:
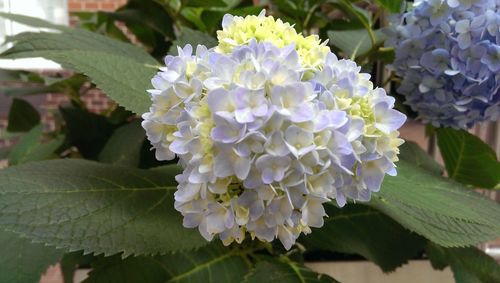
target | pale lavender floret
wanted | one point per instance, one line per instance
(227, 130)
(492, 58)
(451, 78)
(330, 119)
(299, 141)
(292, 101)
(250, 105)
(387, 119)
(273, 167)
(436, 60)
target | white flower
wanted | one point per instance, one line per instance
(265, 142)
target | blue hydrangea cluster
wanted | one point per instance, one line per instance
(448, 56)
(263, 146)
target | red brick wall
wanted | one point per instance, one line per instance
(94, 5)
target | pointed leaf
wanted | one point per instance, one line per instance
(123, 71)
(211, 264)
(413, 153)
(22, 116)
(23, 261)
(285, 271)
(84, 205)
(358, 229)
(124, 146)
(468, 264)
(30, 147)
(468, 159)
(87, 131)
(353, 42)
(437, 208)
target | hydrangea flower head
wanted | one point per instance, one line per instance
(238, 31)
(262, 146)
(448, 55)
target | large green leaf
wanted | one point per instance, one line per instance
(437, 208)
(124, 146)
(285, 270)
(354, 42)
(30, 147)
(22, 116)
(121, 70)
(87, 131)
(23, 261)
(413, 153)
(362, 230)
(211, 264)
(468, 264)
(468, 159)
(79, 39)
(84, 205)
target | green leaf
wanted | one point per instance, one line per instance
(413, 153)
(437, 208)
(23, 261)
(193, 37)
(149, 21)
(4, 152)
(358, 229)
(130, 270)
(468, 159)
(84, 205)
(80, 39)
(22, 116)
(68, 86)
(71, 262)
(146, 13)
(30, 147)
(354, 42)
(124, 146)
(87, 131)
(468, 264)
(121, 70)
(28, 90)
(285, 270)
(193, 15)
(393, 6)
(205, 3)
(119, 116)
(211, 264)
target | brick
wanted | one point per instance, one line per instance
(108, 6)
(91, 6)
(75, 6)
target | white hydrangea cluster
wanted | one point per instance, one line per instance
(261, 146)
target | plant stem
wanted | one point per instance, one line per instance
(363, 21)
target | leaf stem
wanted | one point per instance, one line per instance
(308, 17)
(363, 21)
